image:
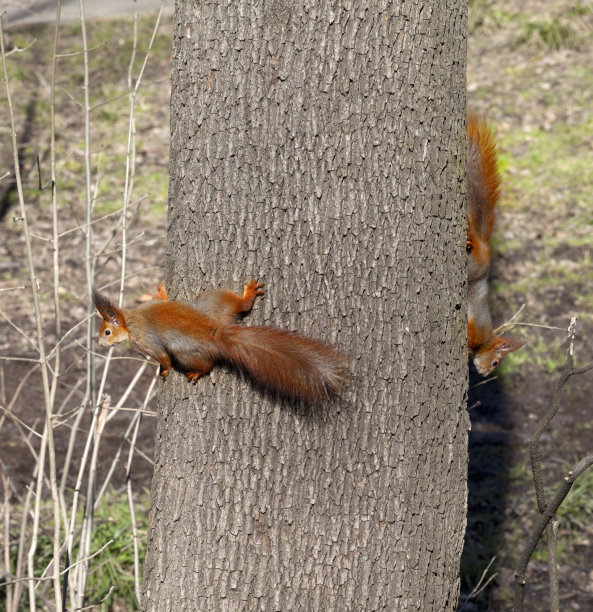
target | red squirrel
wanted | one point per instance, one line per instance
(483, 190)
(194, 337)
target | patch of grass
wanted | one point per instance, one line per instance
(576, 518)
(156, 184)
(519, 473)
(540, 101)
(110, 50)
(486, 14)
(551, 33)
(582, 73)
(552, 30)
(114, 566)
(576, 510)
(551, 180)
(538, 354)
(580, 8)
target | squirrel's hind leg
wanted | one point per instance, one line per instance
(192, 377)
(197, 365)
(195, 374)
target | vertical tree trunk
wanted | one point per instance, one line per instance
(319, 147)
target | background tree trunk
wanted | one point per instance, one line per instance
(319, 146)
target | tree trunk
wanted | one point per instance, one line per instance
(319, 147)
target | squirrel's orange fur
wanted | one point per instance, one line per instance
(193, 337)
(483, 190)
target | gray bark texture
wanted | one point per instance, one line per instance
(318, 146)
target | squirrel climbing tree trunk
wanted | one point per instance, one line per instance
(319, 147)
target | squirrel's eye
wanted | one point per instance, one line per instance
(108, 332)
(495, 362)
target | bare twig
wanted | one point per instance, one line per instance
(20, 288)
(16, 419)
(6, 543)
(65, 570)
(481, 585)
(547, 511)
(541, 523)
(76, 53)
(79, 582)
(552, 540)
(131, 152)
(17, 391)
(54, 205)
(40, 338)
(510, 322)
(20, 570)
(13, 358)
(109, 416)
(96, 603)
(131, 497)
(21, 49)
(523, 324)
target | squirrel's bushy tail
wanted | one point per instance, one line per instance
(283, 361)
(483, 178)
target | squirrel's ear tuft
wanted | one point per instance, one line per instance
(101, 301)
(107, 310)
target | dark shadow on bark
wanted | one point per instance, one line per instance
(490, 459)
(318, 411)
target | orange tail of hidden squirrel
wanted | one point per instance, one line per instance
(193, 337)
(483, 190)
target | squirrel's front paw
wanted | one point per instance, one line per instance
(251, 289)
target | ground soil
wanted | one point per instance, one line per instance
(513, 65)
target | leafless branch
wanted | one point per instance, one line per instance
(481, 585)
(40, 336)
(548, 510)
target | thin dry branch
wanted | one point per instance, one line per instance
(8, 413)
(540, 525)
(547, 511)
(130, 495)
(58, 390)
(481, 586)
(40, 338)
(6, 544)
(19, 330)
(20, 49)
(65, 570)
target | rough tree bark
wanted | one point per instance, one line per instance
(318, 146)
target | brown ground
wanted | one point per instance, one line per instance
(29, 74)
(529, 69)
